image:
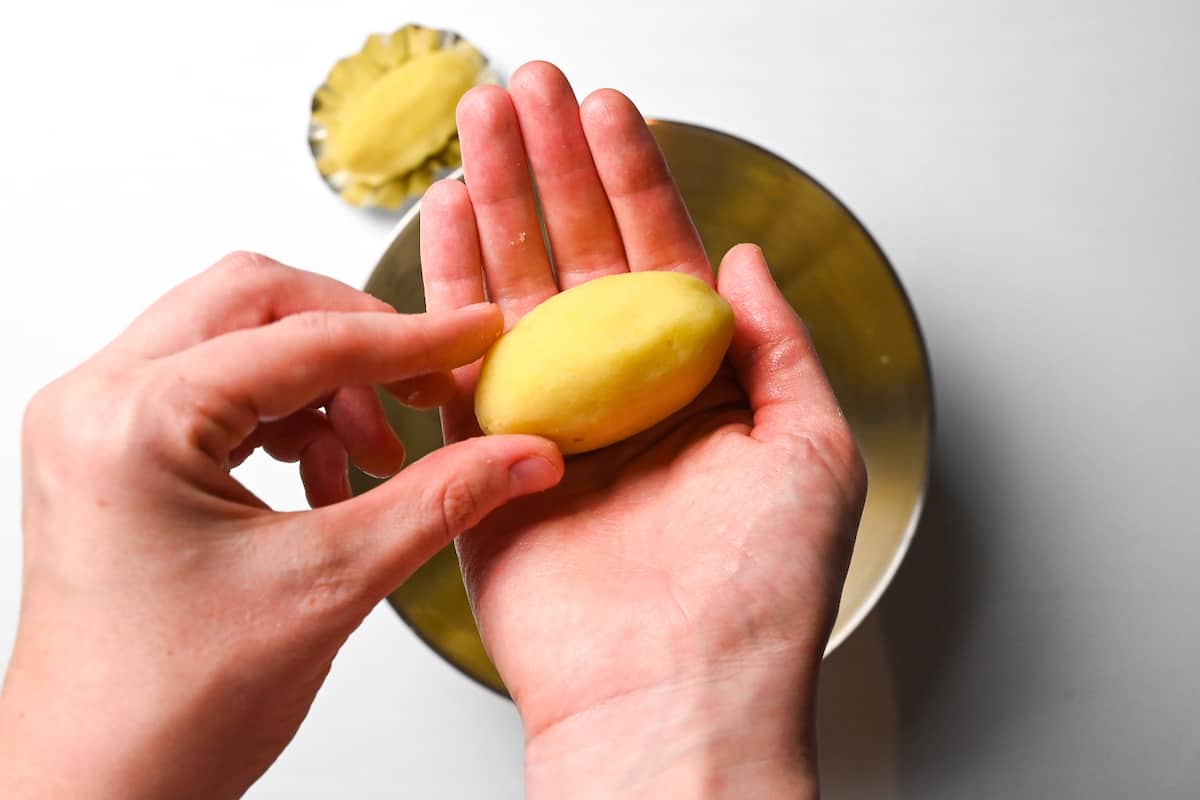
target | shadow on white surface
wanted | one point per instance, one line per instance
(878, 687)
(857, 718)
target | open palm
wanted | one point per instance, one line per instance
(717, 540)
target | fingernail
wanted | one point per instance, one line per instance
(532, 474)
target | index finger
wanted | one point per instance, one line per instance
(262, 374)
(242, 290)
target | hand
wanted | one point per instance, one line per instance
(173, 629)
(659, 617)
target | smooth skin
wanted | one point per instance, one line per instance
(659, 616)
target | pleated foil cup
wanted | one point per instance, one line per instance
(382, 128)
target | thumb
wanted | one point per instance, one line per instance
(390, 531)
(771, 349)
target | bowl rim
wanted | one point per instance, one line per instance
(888, 575)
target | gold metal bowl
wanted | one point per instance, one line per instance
(839, 282)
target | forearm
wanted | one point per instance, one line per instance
(42, 757)
(697, 740)
(60, 739)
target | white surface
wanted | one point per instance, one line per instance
(1032, 170)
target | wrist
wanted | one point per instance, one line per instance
(744, 734)
(72, 731)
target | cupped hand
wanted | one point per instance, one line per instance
(173, 629)
(658, 617)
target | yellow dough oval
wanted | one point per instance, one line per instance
(605, 360)
(405, 115)
(382, 128)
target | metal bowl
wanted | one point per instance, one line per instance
(840, 283)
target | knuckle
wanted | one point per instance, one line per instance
(174, 418)
(41, 413)
(243, 262)
(460, 507)
(334, 335)
(249, 274)
(103, 411)
(173, 413)
(103, 424)
(134, 419)
(154, 417)
(322, 332)
(323, 326)
(783, 353)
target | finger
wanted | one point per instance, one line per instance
(242, 290)
(442, 495)
(423, 391)
(516, 267)
(452, 269)
(266, 373)
(240, 453)
(357, 418)
(324, 472)
(771, 350)
(655, 226)
(584, 240)
(458, 414)
(308, 437)
(451, 266)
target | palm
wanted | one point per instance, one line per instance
(673, 543)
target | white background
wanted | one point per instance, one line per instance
(1032, 169)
